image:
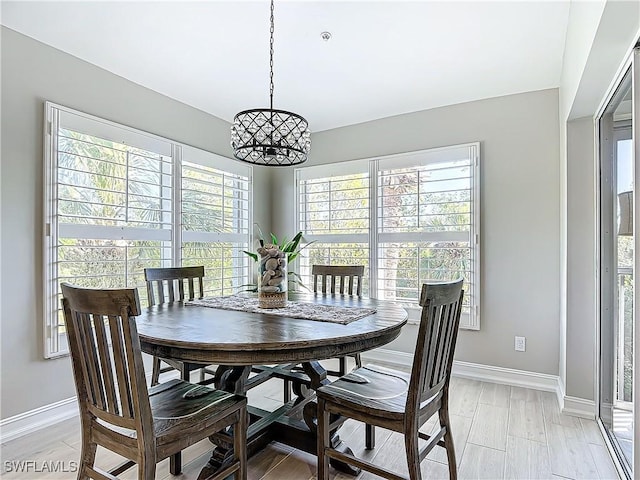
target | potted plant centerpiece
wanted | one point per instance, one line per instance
(273, 276)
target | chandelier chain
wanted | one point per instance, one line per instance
(271, 58)
(264, 136)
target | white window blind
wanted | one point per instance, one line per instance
(334, 214)
(409, 218)
(118, 200)
(215, 224)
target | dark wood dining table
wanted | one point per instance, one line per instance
(250, 348)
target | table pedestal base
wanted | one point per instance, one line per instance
(293, 424)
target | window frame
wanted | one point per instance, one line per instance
(375, 238)
(174, 234)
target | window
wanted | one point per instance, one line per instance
(118, 200)
(407, 218)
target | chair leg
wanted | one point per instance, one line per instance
(343, 366)
(147, 466)
(287, 391)
(413, 455)
(155, 374)
(175, 463)
(323, 440)
(87, 458)
(358, 360)
(443, 413)
(370, 436)
(201, 375)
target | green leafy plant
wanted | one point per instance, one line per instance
(291, 248)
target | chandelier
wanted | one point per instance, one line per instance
(264, 136)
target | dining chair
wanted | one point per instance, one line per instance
(398, 401)
(118, 411)
(167, 285)
(348, 277)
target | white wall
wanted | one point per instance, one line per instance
(32, 73)
(519, 215)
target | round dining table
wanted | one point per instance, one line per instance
(269, 346)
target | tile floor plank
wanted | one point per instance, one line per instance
(460, 426)
(463, 399)
(591, 432)
(552, 414)
(495, 394)
(489, 427)
(297, 465)
(526, 459)
(481, 463)
(604, 464)
(569, 453)
(526, 420)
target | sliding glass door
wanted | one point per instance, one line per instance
(617, 131)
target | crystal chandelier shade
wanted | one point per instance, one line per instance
(264, 136)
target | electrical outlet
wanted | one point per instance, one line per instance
(520, 344)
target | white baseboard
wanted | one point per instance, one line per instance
(578, 407)
(475, 371)
(506, 376)
(42, 417)
(28, 422)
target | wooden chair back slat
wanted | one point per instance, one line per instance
(141, 408)
(437, 334)
(157, 277)
(151, 298)
(181, 291)
(121, 368)
(160, 284)
(80, 335)
(105, 351)
(191, 288)
(347, 275)
(171, 293)
(93, 364)
(106, 366)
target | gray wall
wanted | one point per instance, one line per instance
(581, 255)
(520, 220)
(32, 73)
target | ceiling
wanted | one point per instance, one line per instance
(384, 57)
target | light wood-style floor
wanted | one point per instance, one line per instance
(500, 432)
